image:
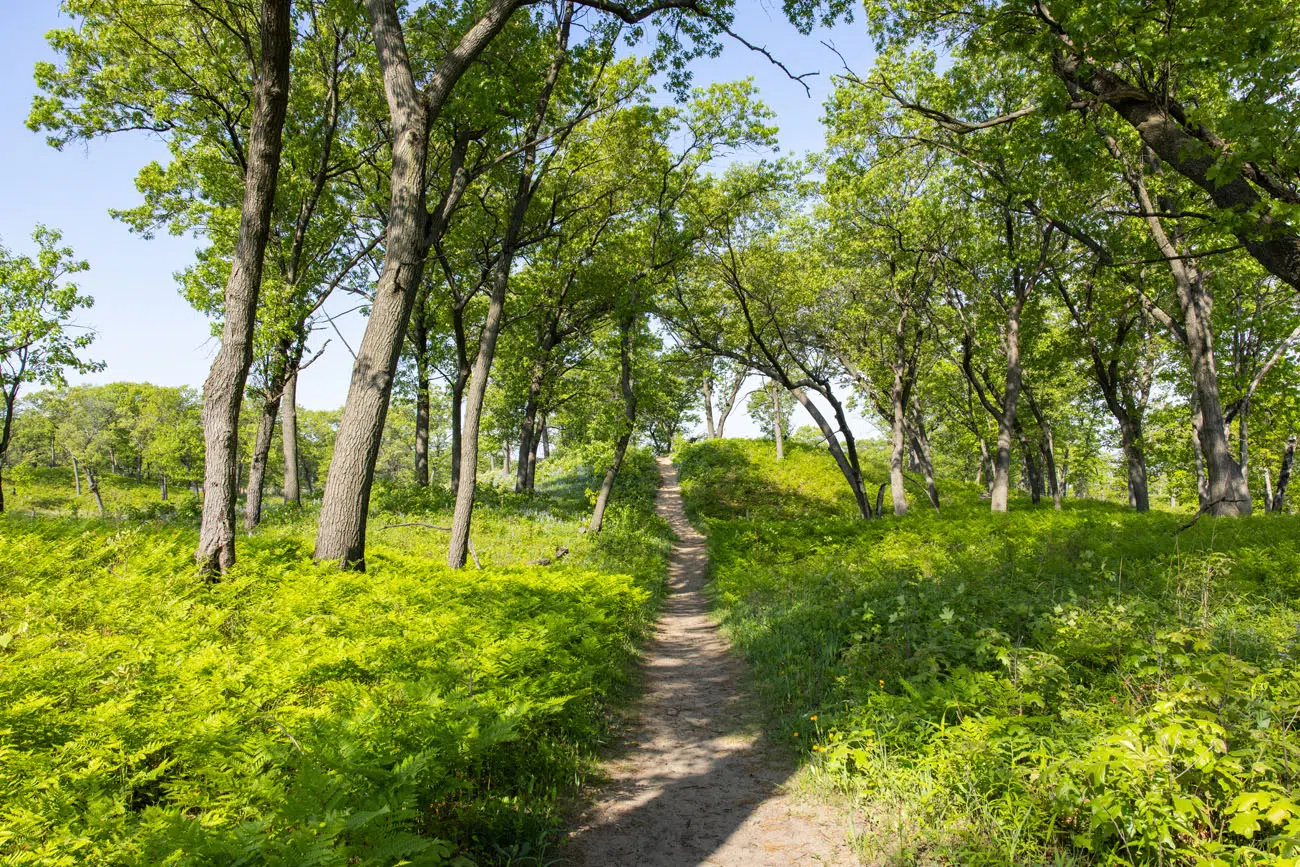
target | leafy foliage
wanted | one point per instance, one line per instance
(1046, 687)
(295, 714)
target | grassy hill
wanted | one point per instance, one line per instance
(1088, 686)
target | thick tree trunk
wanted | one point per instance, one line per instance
(531, 481)
(342, 534)
(257, 463)
(1284, 475)
(1007, 418)
(1131, 440)
(289, 434)
(223, 391)
(1228, 494)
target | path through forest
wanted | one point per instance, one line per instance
(696, 783)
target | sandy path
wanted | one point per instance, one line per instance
(696, 784)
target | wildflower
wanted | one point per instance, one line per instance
(796, 734)
(813, 717)
(882, 684)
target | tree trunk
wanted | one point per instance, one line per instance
(920, 442)
(162, 486)
(342, 533)
(707, 388)
(727, 407)
(463, 512)
(626, 385)
(257, 463)
(851, 473)
(780, 421)
(898, 404)
(420, 339)
(537, 440)
(1131, 442)
(528, 428)
(1284, 475)
(1202, 483)
(1048, 448)
(1268, 490)
(546, 442)
(93, 482)
(289, 434)
(223, 391)
(457, 418)
(76, 474)
(1007, 418)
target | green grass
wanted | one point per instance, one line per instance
(51, 492)
(295, 714)
(1076, 687)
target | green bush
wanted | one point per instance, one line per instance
(295, 714)
(1084, 686)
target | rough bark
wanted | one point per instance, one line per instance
(289, 434)
(1131, 442)
(257, 463)
(420, 349)
(92, 481)
(223, 391)
(707, 388)
(342, 532)
(898, 404)
(1268, 490)
(1284, 475)
(1007, 416)
(462, 513)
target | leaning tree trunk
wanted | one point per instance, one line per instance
(341, 536)
(257, 463)
(851, 474)
(467, 478)
(1284, 475)
(626, 383)
(920, 444)
(93, 482)
(289, 434)
(1228, 494)
(224, 389)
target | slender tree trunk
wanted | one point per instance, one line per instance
(528, 428)
(162, 486)
(76, 474)
(457, 419)
(898, 404)
(1048, 448)
(851, 473)
(1284, 475)
(707, 388)
(93, 482)
(627, 386)
(1268, 490)
(780, 421)
(920, 441)
(546, 442)
(420, 339)
(257, 463)
(289, 434)
(223, 391)
(1007, 419)
(463, 512)
(531, 481)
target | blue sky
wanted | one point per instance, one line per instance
(146, 331)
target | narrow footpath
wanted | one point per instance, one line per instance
(696, 783)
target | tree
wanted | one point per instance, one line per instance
(39, 339)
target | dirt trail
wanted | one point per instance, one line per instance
(696, 784)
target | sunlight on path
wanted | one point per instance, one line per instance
(697, 784)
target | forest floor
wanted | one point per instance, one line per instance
(695, 781)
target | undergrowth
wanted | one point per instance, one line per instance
(294, 714)
(1078, 687)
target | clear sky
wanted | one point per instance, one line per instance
(146, 331)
